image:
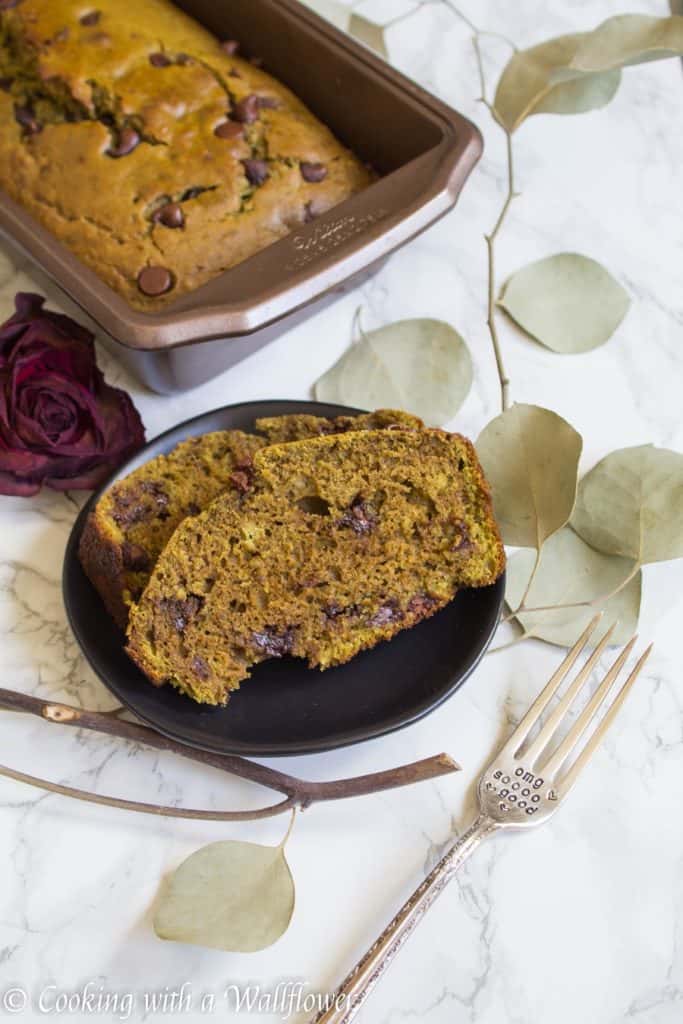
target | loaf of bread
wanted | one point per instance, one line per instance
(340, 542)
(132, 522)
(155, 151)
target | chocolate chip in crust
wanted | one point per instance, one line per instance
(230, 46)
(313, 173)
(90, 19)
(247, 110)
(155, 281)
(128, 140)
(256, 171)
(170, 215)
(229, 130)
(160, 60)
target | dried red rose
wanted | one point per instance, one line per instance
(60, 424)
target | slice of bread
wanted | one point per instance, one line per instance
(133, 521)
(341, 542)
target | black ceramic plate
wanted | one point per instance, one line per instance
(286, 708)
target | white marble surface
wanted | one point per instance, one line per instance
(579, 921)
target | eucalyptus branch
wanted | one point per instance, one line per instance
(298, 792)
(477, 34)
(491, 237)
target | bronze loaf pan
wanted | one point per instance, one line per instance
(423, 150)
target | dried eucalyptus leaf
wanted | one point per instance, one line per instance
(370, 33)
(238, 897)
(627, 39)
(531, 459)
(567, 302)
(422, 366)
(527, 85)
(631, 504)
(571, 572)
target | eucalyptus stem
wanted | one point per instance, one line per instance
(298, 793)
(492, 236)
(478, 33)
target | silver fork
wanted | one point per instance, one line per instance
(523, 786)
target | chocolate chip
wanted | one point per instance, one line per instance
(360, 516)
(234, 73)
(135, 558)
(256, 171)
(61, 36)
(193, 509)
(181, 612)
(93, 18)
(192, 193)
(230, 46)
(183, 59)
(274, 644)
(127, 141)
(333, 610)
(28, 120)
(200, 667)
(159, 60)
(421, 605)
(6, 84)
(387, 613)
(171, 216)
(313, 173)
(229, 130)
(246, 111)
(268, 103)
(155, 281)
(243, 476)
(463, 541)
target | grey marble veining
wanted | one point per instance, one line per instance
(581, 921)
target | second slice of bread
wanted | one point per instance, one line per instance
(340, 543)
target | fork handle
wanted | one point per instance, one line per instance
(354, 990)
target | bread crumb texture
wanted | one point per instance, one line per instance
(338, 543)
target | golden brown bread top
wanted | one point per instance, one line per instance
(132, 134)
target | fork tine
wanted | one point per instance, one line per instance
(549, 690)
(596, 739)
(558, 756)
(550, 725)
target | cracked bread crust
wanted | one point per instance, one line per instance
(160, 158)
